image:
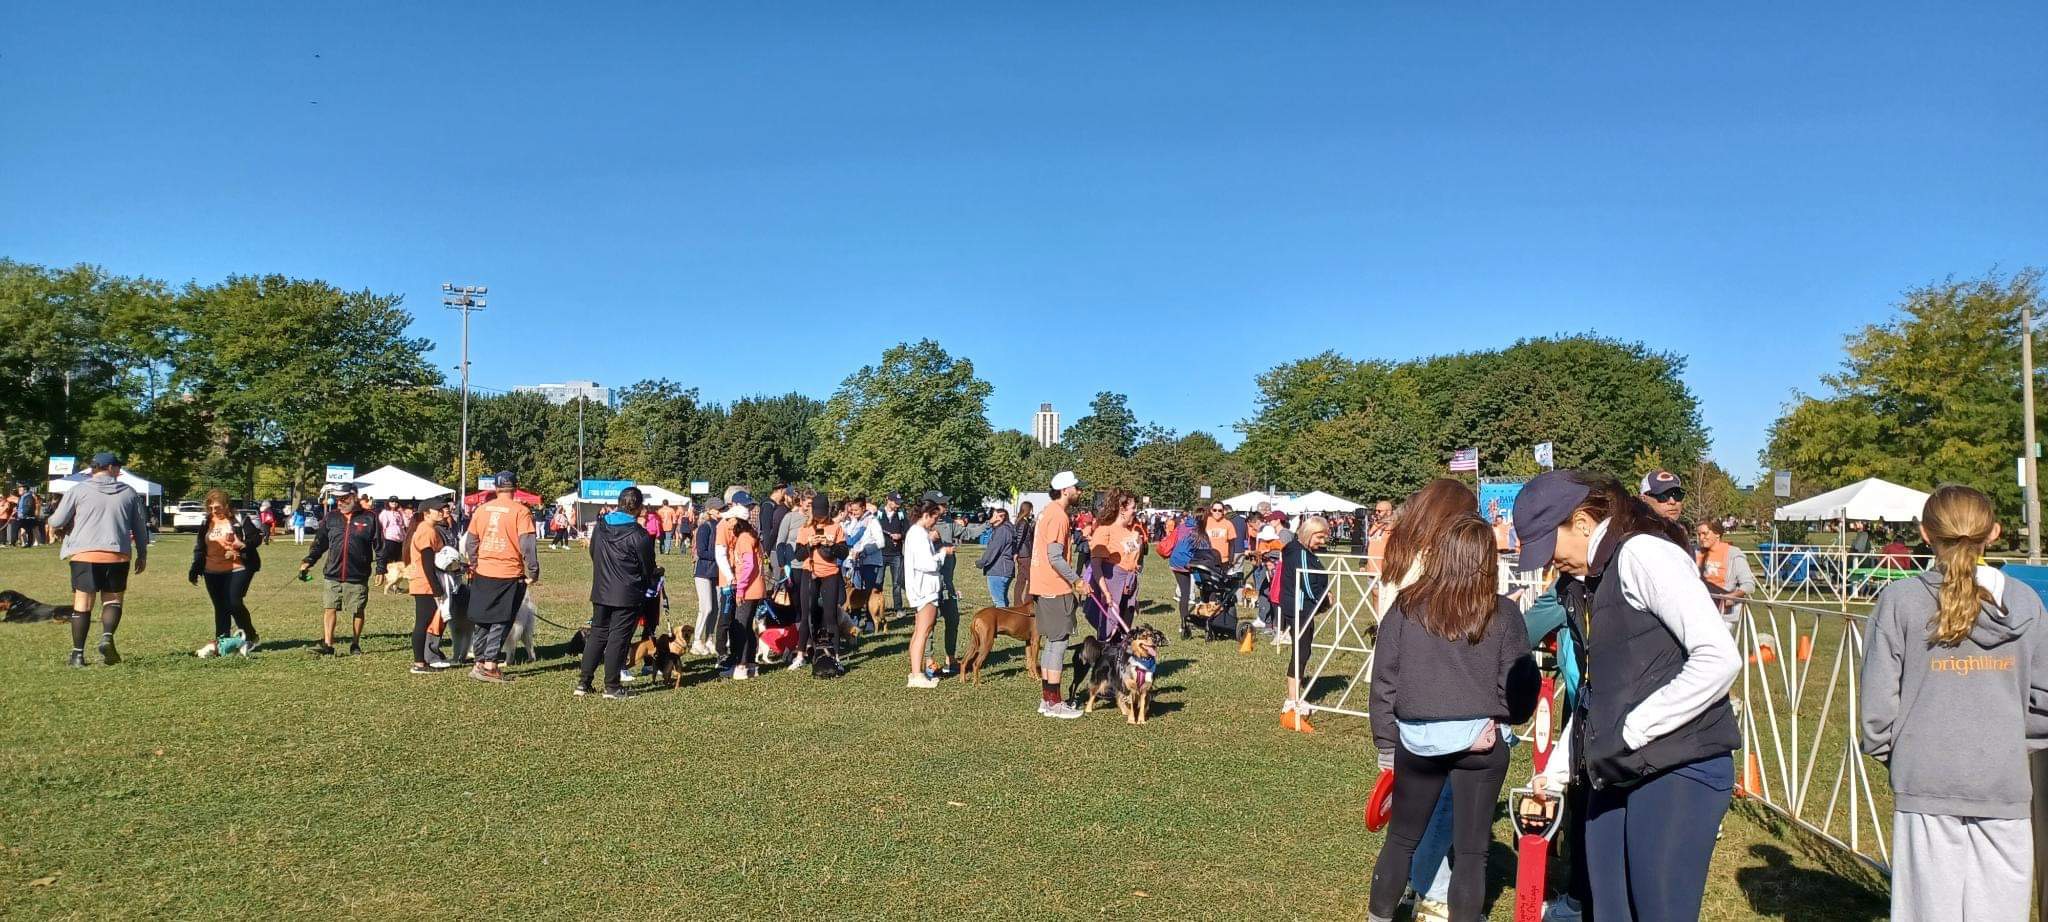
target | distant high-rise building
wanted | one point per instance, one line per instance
(570, 390)
(1045, 426)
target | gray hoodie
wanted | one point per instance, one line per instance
(1954, 724)
(103, 514)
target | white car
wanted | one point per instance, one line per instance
(188, 516)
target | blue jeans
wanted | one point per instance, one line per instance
(1430, 872)
(999, 590)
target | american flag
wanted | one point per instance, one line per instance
(1466, 459)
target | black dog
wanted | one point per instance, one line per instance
(21, 609)
(824, 665)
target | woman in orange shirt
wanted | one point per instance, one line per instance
(429, 590)
(749, 588)
(823, 541)
(225, 555)
(1115, 547)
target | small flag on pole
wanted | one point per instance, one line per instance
(1466, 459)
(1545, 456)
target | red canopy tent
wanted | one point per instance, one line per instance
(473, 499)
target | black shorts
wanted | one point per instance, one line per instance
(99, 577)
(495, 601)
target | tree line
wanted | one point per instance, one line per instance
(254, 383)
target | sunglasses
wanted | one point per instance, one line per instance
(1670, 496)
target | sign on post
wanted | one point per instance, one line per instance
(1781, 484)
(1545, 456)
(700, 487)
(63, 465)
(602, 491)
(486, 484)
(2023, 471)
(1206, 492)
(341, 473)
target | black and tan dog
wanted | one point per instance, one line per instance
(21, 609)
(1122, 671)
(992, 621)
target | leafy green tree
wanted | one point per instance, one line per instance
(1109, 426)
(658, 433)
(918, 419)
(1930, 397)
(761, 441)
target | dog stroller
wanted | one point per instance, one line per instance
(1216, 587)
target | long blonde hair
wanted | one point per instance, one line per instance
(1959, 522)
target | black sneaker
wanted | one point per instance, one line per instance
(614, 694)
(77, 660)
(355, 648)
(321, 649)
(107, 652)
(948, 671)
(582, 690)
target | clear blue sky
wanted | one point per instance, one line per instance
(1071, 194)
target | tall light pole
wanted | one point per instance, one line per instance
(579, 443)
(2027, 461)
(463, 298)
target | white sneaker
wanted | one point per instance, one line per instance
(1282, 640)
(797, 663)
(921, 681)
(741, 673)
(1061, 710)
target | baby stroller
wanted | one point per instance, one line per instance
(1214, 608)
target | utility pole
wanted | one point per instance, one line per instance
(2028, 462)
(463, 298)
(580, 399)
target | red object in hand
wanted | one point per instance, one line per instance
(1380, 807)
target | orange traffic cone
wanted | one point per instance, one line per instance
(1752, 777)
(1805, 647)
(1293, 721)
(1766, 649)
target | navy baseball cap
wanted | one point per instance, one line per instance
(933, 496)
(742, 498)
(1660, 482)
(105, 459)
(1544, 505)
(504, 481)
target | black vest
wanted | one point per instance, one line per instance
(1625, 654)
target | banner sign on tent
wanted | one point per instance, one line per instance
(341, 473)
(1781, 484)
(603, 491)
(1497, 498)
(700, 487)
(1545, 456)
(63, 465)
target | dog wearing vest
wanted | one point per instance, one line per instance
(1123, 670)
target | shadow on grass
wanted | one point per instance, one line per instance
(1850, 889)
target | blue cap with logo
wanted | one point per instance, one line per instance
(1544, 506)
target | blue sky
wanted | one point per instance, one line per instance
(1074, 195)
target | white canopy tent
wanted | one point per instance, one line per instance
(1317, 501)
(1246, 502)
(1871, 500)
(389, 482)
(136, 482)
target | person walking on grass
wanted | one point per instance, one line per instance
(1298, 591)
(502, 542)
(104, 526)
(622, 574)
(391, 528)
(1451, 673)
(1055, 590)
(748, 586)
(1955, 660)
(1651, 731)
(864, 543)
(922, 560)
(946, 536)
(350, 535)
(226, 557)
(996, 563)
(1115, 546)
(703, 547)
(426, 584)
(28, 512)
(895, 523)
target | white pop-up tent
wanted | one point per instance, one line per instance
(1317, 501)
(1246, 502)
(134, 481)
(390, 482)
(1871, 500)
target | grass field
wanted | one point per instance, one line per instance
(282, 784)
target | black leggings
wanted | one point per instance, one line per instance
(1184, 584)
(1303, 643)
(821, 598)
(738, 630)
(227, 591)
(423, 610)
(611, 632)
(1475, 779)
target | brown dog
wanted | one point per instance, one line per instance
(992, 621)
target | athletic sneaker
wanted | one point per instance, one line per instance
(725, 673)
(441, 664)
(1562, 909)
(949, 670)
(741, 673)
(77, 660)
(1061, 710)
(107, 652)
(625, 676)
(421, 669)
(614, 694)
(1432, 911)
(355, 648)
(321, 649)
(478, 673)
(582, 690)
(921, 682)
(797, 663)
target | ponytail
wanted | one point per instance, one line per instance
(1960, 522)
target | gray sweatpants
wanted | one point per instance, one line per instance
(1961, 868)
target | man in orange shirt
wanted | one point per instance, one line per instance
(1055, 588)
(668, 516)
(1376, 536)
(501, 542)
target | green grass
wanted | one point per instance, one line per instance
(282, 784)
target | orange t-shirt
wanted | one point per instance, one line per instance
(425, 543)
(744, 545)
(822, 565)
(1376, 549)
(99, 557)
(1053, 528)
(220, 540)
(1121, 547)
(668, 516)
(721, 535)
(1221, 532)
(498, 525)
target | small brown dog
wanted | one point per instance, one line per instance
(988, 623)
